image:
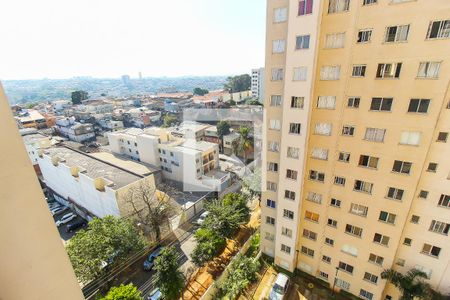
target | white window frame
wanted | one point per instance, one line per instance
(429, 70)
(401, 33)
(326, 102)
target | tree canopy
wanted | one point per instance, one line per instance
(169, 120)
(168, 278)
(209, 244)
(200, 92)
(123, 292)
(107, 240)
(411, 285)
(78, 96)
(238, 83)
(223, 128)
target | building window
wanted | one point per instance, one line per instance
(368, 161)
(442, 137)
(439, 227)
(444, 201)
(389, 70)
(387, 217)
(319, 153)
(362, 186)
(348, 130)
(403, 167)
(329, 242)
(335, 40)
(415, 219)
(289, 195)
(335, 202)
(322, 128)
(311, 216)
(297, 102)
(407, 242)
(375, 135)
(431, 250)
(274, 124)
(275, 100)
(269, 236)
(272, 167)
(410, 138)
(288, 214)
(376, 259)
(353, 102)
(342, 284)
(270, 203)
(335, 6)
(339, 180)
(300, 74)
(305, 7)
(273, 146)
(323, 275)
(400, 262)
(332, 223)
(271, 186)
(365, 294)
(270, 220)
(294, 128)
(439, 29)
(358, 209)
(353, 230)
(368, 2)
(307, 251)
(291, 174)
(432, 167)
(277, 74)
(314, 197)
(381, 104)
(326, 259)
(346, 267)
(285, 248)
(330, 72)
(327, 102)
(381, 239)
(395, 193)
(418, 105)
(397, 34)
(302, 42)
(293, 152)
(344, 157)
(429, 70)
(280, 15)
(286, 232)
(315, 175)
(359, 71)
(309, 234)
(423, 194)
(364, 36)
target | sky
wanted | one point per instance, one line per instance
(109, 38)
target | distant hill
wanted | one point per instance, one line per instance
(23, 91)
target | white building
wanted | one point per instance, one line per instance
(193, 163)
(90, 186)
(141, 116)
(75, 131)
(96, 107)
(35, 141)
(257, 86)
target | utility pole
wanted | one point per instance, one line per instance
(335, 279)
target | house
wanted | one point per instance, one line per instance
(75, 131)
(31, 118)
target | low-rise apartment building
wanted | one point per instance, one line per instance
(75, 131)
(257, 85)
(31, 118)
(141, 117)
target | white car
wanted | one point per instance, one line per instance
(280, 287)
(57, 210)
(202, 218)
(65, 219)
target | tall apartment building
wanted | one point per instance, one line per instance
(356, 141)
(257, 84)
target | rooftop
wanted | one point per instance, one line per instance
(125, 163)
(199, 146)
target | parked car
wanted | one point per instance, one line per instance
(155, 295)
(202, 218)
(75, 225)
(66, 219)
(58, 210)
(280, 287)
(150, 261)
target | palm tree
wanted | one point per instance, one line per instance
(244, 143)
(410, 285)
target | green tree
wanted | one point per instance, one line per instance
(123, 292)
(242, 271)
(252, 183)
(411, 285)
(244, 144)
(209, 244)
(223, 128)
(78, 96)
(169, 120)
(200, 92)
(238, 83)
(168, 278)
(109, 240)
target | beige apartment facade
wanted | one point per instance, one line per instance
(356, 152)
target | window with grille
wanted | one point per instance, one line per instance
(277, 74)
(375, 135)
(362, 186)
(294, 128)
(351, 250)
(381, 104)
(403, 167)
(336, 6)
(319, 153)
(346, 267)
(314, 197)
(364, 36)
(338, 180)
(273, 146)
(359, 71)
(368, 161)
(323, 128)
(429, 70)
(358, 209)
(439, 29)
(291, 174)
(410, 138)
(330, 72)
(307, 251)
(316, 175)
(293, 152)
(431, 250)
(397, 33)
(335, 40)
(439, 227)
(387, 217)
(389, 70)
(444, 201)
(297, 102)
(278, 46)
(288, 214)
(365, 294)
(275, 100)
(300, 74)
(342, 284)
(326, 102)
(348, 130)
(353, 230)
(381, 239)
(323, 275)
(280, 15)
(376, 259)
(289, 194)
(368, 2)
(302, 42)
(418, 105)
(395, 193)
(309, 234)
